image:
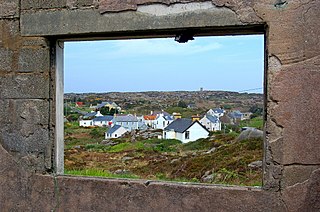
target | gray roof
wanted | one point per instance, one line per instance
(106, 103)
(213, 119)
(181, 125)
(113, 129)
(88, 115)
(235, 114)
(168, 118)
(102, 104)
(127, 118)
(217, 110)
(103, 118)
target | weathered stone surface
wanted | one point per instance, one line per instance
(24, 86)
(312, 202)
(296, 88)
(42, 4)
(118, 5)
(6, 57)
(9, 8)
(22, 190)
(119, 195)
(291, 178)
(304, 196)
(10, 34)
(297, 174)
(34, 60)
(85, 21)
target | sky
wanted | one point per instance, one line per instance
(228, 63)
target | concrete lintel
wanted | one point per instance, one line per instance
(80, 22)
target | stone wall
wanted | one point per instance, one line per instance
(29, 30)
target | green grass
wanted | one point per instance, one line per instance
(99, 173)
(256, 122)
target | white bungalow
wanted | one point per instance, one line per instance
(115, 132)
(216, 112)
(162, 121)
(212, 123)
(102, 121)
(130, 122)
(85, 123)
(185, 130)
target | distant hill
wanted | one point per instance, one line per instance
(155, 100)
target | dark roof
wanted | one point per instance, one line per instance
(217, 110)
(235, 114)
(102, 104)
(168, 118)
(103, 118)
(213, 119)
(181, 125)
(88, 115)
(113, 129)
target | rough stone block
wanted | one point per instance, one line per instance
(10, 34)
(296, 90)
(92, 194)
(42, 4)
(34, 86)
(35, 42)
(20, 111)
(295, 174)
(6, 58)
(34, 60)
(9, 8)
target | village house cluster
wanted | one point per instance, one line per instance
(172, 125)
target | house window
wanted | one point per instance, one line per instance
(187, 135)
(115, 135)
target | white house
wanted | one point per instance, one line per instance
(216, 112)
(85, 123)
(102, 121)
(115, 132)
(130, 122)
(212, 123)
(185, 130)
(162, 121)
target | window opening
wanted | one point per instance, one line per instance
(209, 91)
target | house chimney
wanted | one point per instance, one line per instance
(195, 118)
(176, 116)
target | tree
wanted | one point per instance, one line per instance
(182, 104)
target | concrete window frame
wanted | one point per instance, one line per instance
(29, 65)
(59, 58)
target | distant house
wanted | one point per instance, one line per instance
(149, 120)
(212, 123)
(85, 123)
(115, 132)
(110, 105)
(236, 115)
(102, 121)
(185, 130)
(92, 114)
(130, 122)
(247, 115)
(79, 104)
(162, 121)
(216, 112)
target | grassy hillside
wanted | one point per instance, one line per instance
(220, 157)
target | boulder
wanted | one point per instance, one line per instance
(250, 133)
